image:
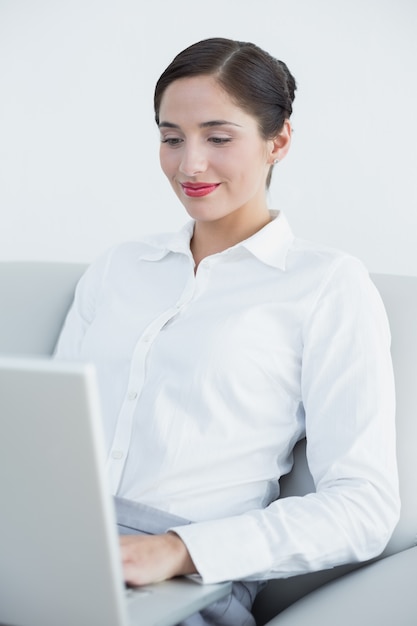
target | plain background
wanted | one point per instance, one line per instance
(79, 166)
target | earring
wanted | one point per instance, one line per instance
(276, 161)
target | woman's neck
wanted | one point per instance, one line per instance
(214, 237)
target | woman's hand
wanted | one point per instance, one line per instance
(149, 559)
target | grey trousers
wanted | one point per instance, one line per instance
(233, 610)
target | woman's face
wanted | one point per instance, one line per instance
(212, 151)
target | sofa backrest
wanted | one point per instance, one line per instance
(34, 299)
(400, 298)
(36, 296)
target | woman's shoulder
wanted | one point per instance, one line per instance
(322, 258)
(132, 251)
(323, 269)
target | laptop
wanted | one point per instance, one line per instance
(59, 549)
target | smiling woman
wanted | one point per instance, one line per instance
(224, 121)
(219, 347)
(212, 149)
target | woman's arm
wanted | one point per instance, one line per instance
(348, 395)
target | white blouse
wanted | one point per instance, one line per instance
(208, 379)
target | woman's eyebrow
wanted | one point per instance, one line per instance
(167, 125)
(218, 123)
(209, 124)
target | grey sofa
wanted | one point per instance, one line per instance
(34, 301)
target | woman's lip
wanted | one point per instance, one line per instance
(197, 190)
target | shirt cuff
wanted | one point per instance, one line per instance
(232, 548)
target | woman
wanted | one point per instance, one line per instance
(219, 347)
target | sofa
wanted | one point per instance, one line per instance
(35, 297)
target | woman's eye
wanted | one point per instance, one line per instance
(220, 140)
(171, 141)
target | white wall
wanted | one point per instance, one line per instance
(79, 166)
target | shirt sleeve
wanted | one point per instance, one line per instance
(349, 401)
(82, 310)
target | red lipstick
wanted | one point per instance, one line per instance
(198, 190)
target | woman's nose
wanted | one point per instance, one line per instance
(193, 160)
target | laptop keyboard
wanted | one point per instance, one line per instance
(132, 593)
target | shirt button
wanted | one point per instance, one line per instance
(132, 395)
(117, 454)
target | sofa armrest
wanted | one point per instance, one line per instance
(381, 593)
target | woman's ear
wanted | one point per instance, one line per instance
(280, 144)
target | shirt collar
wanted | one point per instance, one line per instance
(161, 244)
(270, 244)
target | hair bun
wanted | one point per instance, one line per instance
(290, 84)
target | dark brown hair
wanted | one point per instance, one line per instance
(257, 82)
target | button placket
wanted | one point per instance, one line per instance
(122, 436)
